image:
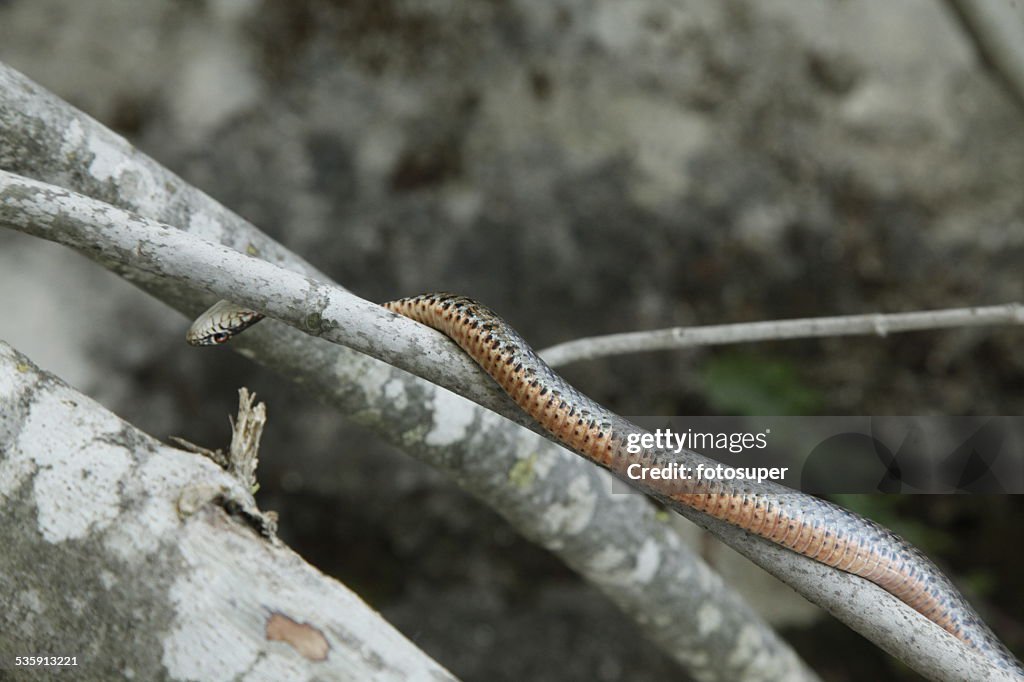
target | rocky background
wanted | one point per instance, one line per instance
(583, 167)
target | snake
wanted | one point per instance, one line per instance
(808, 525)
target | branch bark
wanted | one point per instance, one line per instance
(607, 538)
(878, 324)
(141, 560)
(160, 251)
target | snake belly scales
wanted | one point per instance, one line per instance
(802, 523)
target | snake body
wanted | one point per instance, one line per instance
(802, 523)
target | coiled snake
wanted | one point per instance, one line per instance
(810, 526)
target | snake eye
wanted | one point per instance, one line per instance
(220, 337)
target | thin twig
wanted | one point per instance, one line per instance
(879, 324)
(242, 457)
(246, 431)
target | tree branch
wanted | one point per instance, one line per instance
(162, 252)
(156, 545)
(45, 138)
(146, 251)
(805, 328)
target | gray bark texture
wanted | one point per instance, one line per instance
(144, 562)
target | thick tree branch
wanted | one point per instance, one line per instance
(161, 251)
(145, 251)
(805, 328)
(45, 138)
(111, 527)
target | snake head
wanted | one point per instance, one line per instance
(221, 322)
